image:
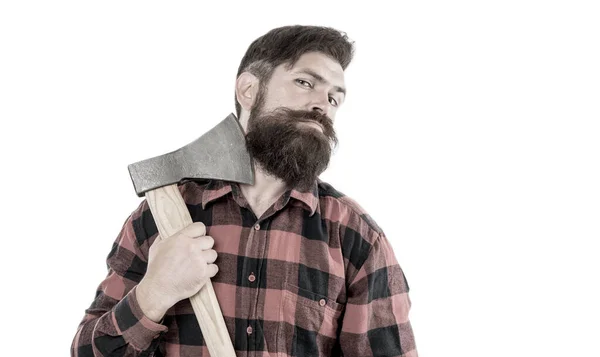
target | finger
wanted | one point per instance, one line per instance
(205, 242)
(194, 230)
(212, 270)
(209, 255)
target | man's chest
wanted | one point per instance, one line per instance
(259, 256)
(281, 280)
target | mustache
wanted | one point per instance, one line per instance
(302, 115)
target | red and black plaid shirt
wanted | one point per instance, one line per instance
(314, 276)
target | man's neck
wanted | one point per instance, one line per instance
(265, 191)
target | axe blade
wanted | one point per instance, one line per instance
(218, 154)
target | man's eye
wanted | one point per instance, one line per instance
(304, 83)
(333, 101)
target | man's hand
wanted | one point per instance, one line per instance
(178, 267)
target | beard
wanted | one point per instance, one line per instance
(297, 154)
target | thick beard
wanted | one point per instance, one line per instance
(283, 148)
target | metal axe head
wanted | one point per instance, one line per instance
(218, 154)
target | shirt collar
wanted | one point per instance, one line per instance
(217, 189)
(310, 198)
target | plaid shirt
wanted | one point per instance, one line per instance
(314, 276)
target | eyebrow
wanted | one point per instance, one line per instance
(320, 79)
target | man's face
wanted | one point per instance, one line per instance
(290, 129)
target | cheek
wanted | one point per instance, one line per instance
(290, 97)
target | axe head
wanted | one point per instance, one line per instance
(218, 154)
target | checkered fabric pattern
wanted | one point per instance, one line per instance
(314, 276)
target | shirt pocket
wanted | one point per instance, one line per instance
(308, 322)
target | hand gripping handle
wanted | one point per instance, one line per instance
(171, 215)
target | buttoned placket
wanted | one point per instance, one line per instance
(256, 247)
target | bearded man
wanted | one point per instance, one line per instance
(299, 268)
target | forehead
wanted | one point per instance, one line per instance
(319, 63)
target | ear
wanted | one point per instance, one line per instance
(246, 89)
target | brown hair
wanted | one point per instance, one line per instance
(287, 44)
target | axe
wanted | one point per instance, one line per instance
(218, 154)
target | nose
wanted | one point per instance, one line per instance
(324, 111)
(320, 104)
(319, 109)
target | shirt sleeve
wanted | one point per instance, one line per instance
(114, 324)
(376, 321)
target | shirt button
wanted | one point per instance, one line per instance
(249, 330)
(322, 302)
(257, 226)
(251, 278)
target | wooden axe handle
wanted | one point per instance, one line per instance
(171, 215)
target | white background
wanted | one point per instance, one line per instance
(470, 133)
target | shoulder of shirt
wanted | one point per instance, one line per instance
(192, 189)
(202, 183)
(328, 195)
